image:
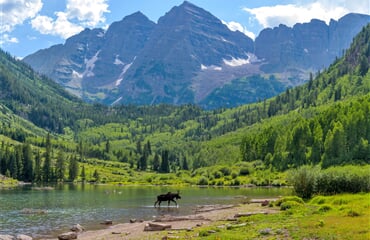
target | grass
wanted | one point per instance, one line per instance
(345, 216)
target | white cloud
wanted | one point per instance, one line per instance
(78, 15)
(235, 26)
(270, 16)
(15, 12)
(89, 13)
(5, 38)
(61, 26)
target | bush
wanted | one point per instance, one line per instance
(288, 205)
(303, 180)
(289, 199)
(225, 171)
(353, 213)
(217, 174)
(318, 200)
(244, 171)
(325, 208)
(203, 181)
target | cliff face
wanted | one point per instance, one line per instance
(312, 45)
(189, 56)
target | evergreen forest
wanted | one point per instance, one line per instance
(48, 135)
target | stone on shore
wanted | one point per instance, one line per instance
(6, 237)
(23, 237)
(77, 228)
(156, 227)
(107, 222)
(67, 236)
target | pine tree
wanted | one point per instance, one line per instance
(83, 174)
(38, 173)
(185, 165)
(165, 166)
(156, 163)
(27, 163)
(46, 169)
(73, 169)
(107, 146)
(96, 176)
(60, 166)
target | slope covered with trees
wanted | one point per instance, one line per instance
(48, 135)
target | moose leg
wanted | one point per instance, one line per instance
(159, 203)
(174, 202)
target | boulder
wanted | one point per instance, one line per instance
(67, 236)
(23, 237)
(77, 228)
(107, 222)
(156, 227)
(6, 237)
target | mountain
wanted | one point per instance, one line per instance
(312, 45)
(35, 97)
(190, 56)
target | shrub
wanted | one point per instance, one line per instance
(203, 180)
(318, 200)
(225, 171)
(288, 205)
(244, 171)
(235, 182)
(353, 213)
(217, 174)
(204, 233)
(325, 208)
(289, 199)
(303, 180)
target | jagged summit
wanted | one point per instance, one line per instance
(190, 55)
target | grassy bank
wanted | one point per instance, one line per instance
(7, 182)
(344, 216)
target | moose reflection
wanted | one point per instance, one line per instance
(169, 197)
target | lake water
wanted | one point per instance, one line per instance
(89, 205)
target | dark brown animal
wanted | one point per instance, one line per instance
(169, 197)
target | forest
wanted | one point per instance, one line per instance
(47, 135)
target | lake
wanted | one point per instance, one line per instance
(89, 205)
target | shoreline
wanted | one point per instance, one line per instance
(186, 223)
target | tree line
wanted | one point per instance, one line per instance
(329, 136)
(24, 163)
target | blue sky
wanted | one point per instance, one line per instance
(29, 25)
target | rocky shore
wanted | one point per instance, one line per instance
(166, 226)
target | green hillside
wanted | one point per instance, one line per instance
(48, 135)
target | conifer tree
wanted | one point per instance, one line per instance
(46, 169)
(60, 166)
(38, 173)
(27, 163)
(165, 166)
(73, 169)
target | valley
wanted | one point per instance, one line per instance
(312, 137)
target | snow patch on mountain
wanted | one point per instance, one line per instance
(117, 101)
(236, 62)
(124, 70)
(90, 64)
(118, 61)
(212, 67)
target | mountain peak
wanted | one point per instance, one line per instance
(186, 4)
(136, 17)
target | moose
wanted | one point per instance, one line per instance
(169, 197)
